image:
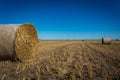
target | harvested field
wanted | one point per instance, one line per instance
(67, 60)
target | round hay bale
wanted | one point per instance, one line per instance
(17, 41)
(106, 40)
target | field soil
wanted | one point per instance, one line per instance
(67, 60)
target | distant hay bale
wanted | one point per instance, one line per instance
(17, 41)
(106, 40)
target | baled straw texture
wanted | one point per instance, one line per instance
(106, 40)
(17, 41)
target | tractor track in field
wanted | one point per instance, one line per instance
(85, 62)
(104, 62)
(108, 60)
(93, 63)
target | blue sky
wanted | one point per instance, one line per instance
(63, 19)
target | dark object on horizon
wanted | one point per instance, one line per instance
(107, 41)
(117, 39)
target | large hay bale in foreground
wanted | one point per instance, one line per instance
(17, 41)
(106, 40)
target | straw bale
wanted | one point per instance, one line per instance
(106, 41)
(17, 41)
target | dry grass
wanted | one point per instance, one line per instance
(67, 60)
